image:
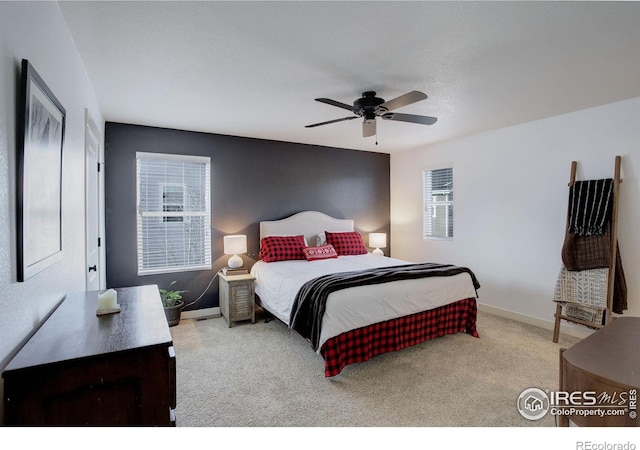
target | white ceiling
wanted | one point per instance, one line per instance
(254, 68)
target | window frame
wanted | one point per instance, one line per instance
(165, 216)
(431, 204)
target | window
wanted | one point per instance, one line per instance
(173, 200)
(174, 213)
(438, 203)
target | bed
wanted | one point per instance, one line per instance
(350, 304)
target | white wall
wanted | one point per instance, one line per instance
(36, 31)
(510, 203)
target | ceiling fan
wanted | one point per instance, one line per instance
(369, 107)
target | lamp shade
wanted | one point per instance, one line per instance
(378, 240)
(235, 244)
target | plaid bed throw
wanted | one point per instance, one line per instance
(310, 302)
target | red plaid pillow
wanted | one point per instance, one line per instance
(321, 252)
(281, 248)
(346, 243)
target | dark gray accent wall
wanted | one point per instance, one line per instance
(251, 180)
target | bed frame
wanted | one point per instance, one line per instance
(307, 223)
(363, 343)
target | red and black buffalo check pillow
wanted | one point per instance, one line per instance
(281, 248)
(346, 243)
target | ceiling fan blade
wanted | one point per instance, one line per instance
(404, 100)
(330, 121)
(368, 127)
(425, 120)
(328, 101)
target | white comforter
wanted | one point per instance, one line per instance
(277, 284)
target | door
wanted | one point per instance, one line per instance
(92, 203)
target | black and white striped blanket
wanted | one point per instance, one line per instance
(590, 204)
(310, 302)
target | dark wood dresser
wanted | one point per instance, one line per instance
(110, 370)
(606, 363)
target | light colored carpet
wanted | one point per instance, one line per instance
(264, 375)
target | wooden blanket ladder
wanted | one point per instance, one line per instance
(614, 239)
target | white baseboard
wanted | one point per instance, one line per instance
(198, 314)
(565, 327)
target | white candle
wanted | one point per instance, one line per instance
(108, 300)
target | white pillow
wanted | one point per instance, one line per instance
(321, 239)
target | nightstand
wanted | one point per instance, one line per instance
(237, 298)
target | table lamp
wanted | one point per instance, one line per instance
(235, 244)
(378, 240)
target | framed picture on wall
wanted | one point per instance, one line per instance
(41, 124)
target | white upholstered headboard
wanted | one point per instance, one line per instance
(307, 223)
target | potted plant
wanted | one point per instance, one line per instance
(173, 304)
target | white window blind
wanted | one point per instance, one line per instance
(174, 216)
(438, 203)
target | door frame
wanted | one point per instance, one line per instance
(92, 129)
